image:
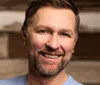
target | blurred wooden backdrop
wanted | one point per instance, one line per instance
(13, 53)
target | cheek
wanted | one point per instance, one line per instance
(68, 48)
(68, 45)
(37, 41)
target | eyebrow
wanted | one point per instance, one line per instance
(42, 26)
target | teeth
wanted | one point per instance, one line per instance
(51, 56)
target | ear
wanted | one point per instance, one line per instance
(74, 44)
(23, 34)
(73, 51)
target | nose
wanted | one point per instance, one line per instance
(53, 42)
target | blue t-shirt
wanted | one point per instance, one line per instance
(21, 80)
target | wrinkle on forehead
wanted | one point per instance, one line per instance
(49, 9)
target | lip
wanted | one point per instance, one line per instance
(52, 54)
(47, 59)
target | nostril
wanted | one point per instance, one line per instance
(51, 47)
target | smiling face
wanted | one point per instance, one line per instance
(51, 40)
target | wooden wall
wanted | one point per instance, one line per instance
(85, 66)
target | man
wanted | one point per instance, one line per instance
(50, 32)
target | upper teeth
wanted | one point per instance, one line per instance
(51, 56)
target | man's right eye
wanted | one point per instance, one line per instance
(42, 31)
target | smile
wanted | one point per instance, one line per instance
(52, 56)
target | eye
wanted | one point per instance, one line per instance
(42, 31)
(65, 34)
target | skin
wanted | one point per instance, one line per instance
(53, 34)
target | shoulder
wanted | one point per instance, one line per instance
(71, 81)
(14, 81)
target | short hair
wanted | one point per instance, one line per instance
(37, 4)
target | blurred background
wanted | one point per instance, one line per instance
(85, 65)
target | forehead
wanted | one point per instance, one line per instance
(55, 17)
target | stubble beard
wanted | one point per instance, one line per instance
(39, 67)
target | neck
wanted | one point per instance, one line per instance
(38, 80)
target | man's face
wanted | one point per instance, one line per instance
(51, 40)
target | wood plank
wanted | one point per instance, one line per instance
(22, 4)
(12, 21)
(25, 2)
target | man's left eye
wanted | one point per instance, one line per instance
(65, 34)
